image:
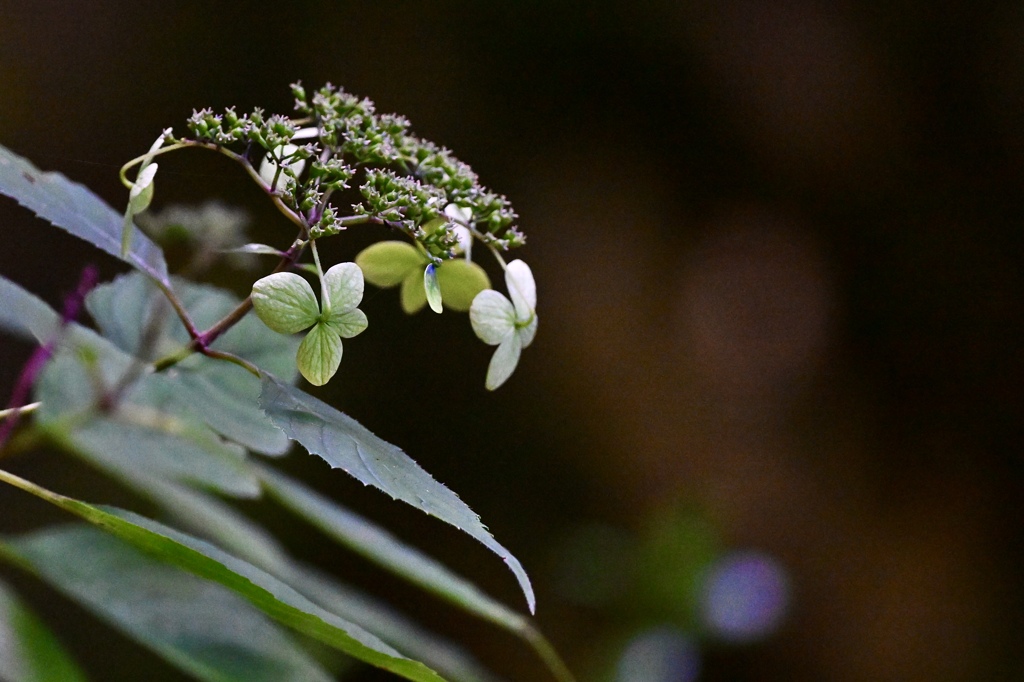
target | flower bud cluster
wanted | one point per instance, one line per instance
(405, 182)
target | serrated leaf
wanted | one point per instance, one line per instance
(378, 545)
(29, 652)
(285, 302)
(344, 443)
(240, 536)
(26, 315)
(386, 264)
(202, 627)
(460, 281)
(319, 354)
(261, 589)
(74, 208)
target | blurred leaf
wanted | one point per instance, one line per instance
(76, 209)
(28, 650)
(138, 438)
(344, 443)
(448, 659)
(221, 394)
(26, 315)
(267, 593)
(203, 628)
(256, 249)
(240, 536)
(381, 547)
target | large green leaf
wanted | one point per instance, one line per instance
(241, 537)
(202, 627)
(379, 546)
(345, 444)
(28, 650)
(75, 208)
(267, 593)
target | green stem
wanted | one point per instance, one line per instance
(142, 158)
(547, 653)
(325, 301)
(201, 340)
(179, 309)
(33, 489)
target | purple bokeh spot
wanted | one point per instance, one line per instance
(745, 596)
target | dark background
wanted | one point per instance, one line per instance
(777, 247)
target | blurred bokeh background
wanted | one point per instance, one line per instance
(771, 425)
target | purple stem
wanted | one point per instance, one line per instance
(40, 356)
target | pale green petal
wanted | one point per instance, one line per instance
(387, 264)
(347, 324)
(460, 282)
(285, 302)
(503, 362)
(527, 332)
(344, 283)
(319, 354)
(432, 288)
(522, 289)
(492, 317)
(414, 296)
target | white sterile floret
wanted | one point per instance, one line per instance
(509, 325)
(268, 167)
(286, 303)
(461, 216)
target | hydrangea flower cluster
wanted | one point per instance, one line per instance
(339, 146)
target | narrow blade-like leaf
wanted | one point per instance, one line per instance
(74, 208)
(345, 444)
(242, 537)
(202, 627)
(267, 593)
(378, 545)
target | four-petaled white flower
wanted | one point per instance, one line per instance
(509, 325)
(286, 303)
